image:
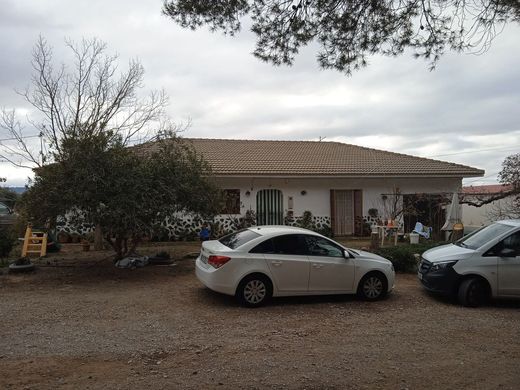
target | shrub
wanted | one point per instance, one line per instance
(7, 241)
(403, 256)
(306, 221)
(324, 231)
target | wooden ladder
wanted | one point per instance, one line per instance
(34, 242)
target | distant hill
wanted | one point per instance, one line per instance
(18, 190)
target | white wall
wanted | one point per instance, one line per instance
(317, 197)
(477, 216)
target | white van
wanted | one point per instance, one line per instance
(481, 265)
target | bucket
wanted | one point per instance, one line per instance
(414, 238)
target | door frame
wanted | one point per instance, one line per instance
(357, 211)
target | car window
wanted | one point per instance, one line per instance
(318, 246)
(264, 247)
(234, 240)
(289, 244)
(4, 210)
(483, 236)
(510, 242)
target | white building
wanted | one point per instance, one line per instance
(473, 216)
(346, 188)
(340, 184)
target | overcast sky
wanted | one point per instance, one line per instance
(466, 111)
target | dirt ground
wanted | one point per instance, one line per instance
(80, 323)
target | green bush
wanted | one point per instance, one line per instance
(324, 231)
(7, 240)
(307, 221)
(403, 256)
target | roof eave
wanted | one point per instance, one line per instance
(344, 176)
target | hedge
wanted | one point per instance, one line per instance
(7, 241)
(403, 256)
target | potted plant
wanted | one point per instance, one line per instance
(373, 212)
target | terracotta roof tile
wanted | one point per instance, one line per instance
(487, 189)
(312, 158)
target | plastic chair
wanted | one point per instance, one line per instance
(422, 230)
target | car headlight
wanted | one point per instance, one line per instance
(442, 265)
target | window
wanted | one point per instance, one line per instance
(483, 236)
(4, 210)
(513, 242)
(289, 244)
(234, 240)
(264, 247)
(318, 246)
(510, 242)
(232, 202)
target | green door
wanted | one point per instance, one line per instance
(269, 207)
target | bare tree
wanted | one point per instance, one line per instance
(507, 208)
(392, 206)
(89, 98)
(509, 177)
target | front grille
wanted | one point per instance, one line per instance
(424, 266)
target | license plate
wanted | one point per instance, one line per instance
(203, 258)
(419, 275)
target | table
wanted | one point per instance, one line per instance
(383, 229)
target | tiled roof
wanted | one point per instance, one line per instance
(487, 189)
(312, 158)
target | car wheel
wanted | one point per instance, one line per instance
(254, 291)
(372, 287)
(472, 292)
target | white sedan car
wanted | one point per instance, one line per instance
(257, 263)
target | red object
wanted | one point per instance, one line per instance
(218, 261)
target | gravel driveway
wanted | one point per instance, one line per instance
(99, 327)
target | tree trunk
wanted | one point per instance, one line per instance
(135, 242)
(98, 238)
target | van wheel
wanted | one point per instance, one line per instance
(372, 287)
(472, 292)
(254, 291)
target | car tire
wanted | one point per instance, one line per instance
(373, 287)
(254, 291)
(472, 292)
(21, 268)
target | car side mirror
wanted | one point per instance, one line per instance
(346, 254)
(507, 252)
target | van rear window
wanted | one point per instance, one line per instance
(234, 240)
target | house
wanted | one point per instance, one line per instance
(341, 189)
(345, 187)
(473, 217)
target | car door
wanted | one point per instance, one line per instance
(329, 269)
(287, 260)
(509, 267)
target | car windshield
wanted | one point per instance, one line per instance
(4, 210)
(234, 240)
(483, 236)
